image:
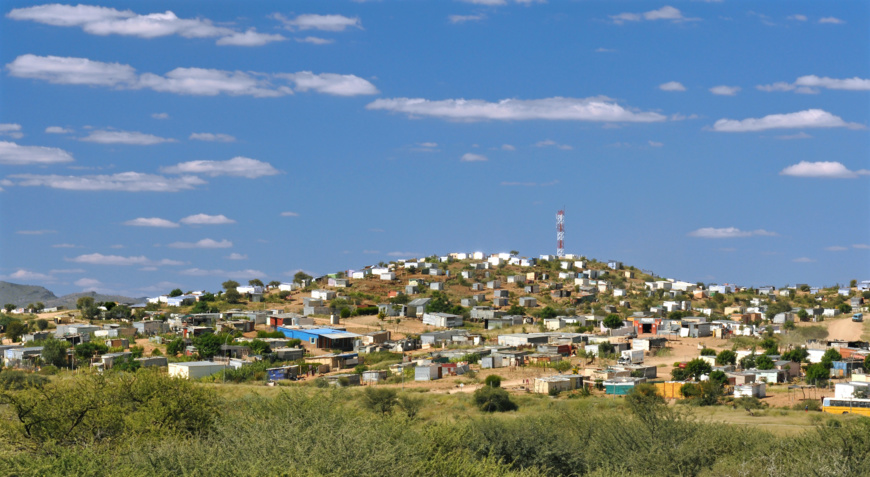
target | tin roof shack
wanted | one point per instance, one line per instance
(416, 307)
(621, 386)
(282, 372)
(618, 348)
(644, 325)
(561, 349)
(427, 372)
(512, 358)
(851, 390)
(523, 339)
(374, 376)
(489, 362)
(375, 337)
(108, 360)
(85, 331)
(772, 376)
(436, 338)
(554, 324)
(335, 361)
(341, 380)
(195, 369)
(543, 358)
(638, 370)
(442, 320)
(694, 329)
(503, 322)
(648, 344)
(21, 356)
(289, 319)
(844, 368)
(147, 362)
(750, 390)
(485, 313)
(791, 368)
(454, 369)
(323, 338)
(556, 384)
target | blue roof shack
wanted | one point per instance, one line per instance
(325, 338)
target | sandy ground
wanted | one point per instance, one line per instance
(844, 328)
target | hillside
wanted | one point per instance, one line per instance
(69, 301)
(22, 295)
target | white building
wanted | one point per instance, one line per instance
(194, 369)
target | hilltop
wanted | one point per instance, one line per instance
(23, 295)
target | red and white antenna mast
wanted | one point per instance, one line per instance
(560, 234)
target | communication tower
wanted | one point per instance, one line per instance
(560, 234)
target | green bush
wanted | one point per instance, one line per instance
(493, 381)
(493, 399)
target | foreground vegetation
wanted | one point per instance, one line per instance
(148, 424)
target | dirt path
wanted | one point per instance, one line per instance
(845, 329)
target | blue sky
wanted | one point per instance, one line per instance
(151, 145)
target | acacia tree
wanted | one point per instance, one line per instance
(726, 357)
(230, 285)
(54, 352)
(255, 282)
(613, 321)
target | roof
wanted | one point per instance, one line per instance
(197, 364)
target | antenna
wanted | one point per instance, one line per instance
(560, 233)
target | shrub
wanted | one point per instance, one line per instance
(410, 404)
(379, 400)
(13, 380)
(726, 357)
(493, 381)
(708, 352)
(493, 399)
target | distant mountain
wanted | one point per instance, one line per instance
(69, 301)
(23, 295)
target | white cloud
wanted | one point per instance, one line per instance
(66, 270)
(249, 38)
(665, 13)
(797, 17)
(803, 260)
(861, 246)
(123, 181)
(552, 143)
(212, 137)
(186, 81)
(87, 282)
(236, 167)
(836, 248)
(125, 137)
(12, 130)
(289, 214)
(211, 82)
(310, 21)
(330, 83)
(469, 157)
(14, 154)
(824, 169)
(728, 232)
(800, 135)
(429, 145)
(403, 254)
(831, 20)
(598, 108)
(205, 219)
(655, 144)
(605, 50)
(100, 259)
(465, 18)
(314, 40)
(64, 245)
(508, 147)
(64, 70)
(810, 118)
(723, 90)
(672, 86)
(237, 256)
(151, 222)
(160, 115)
(35, 232)
(22, 274)
(810, 84)
(109, 21)
(490, 3)
(57, 130)
(204, 243)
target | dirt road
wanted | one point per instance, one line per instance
(845, 329)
